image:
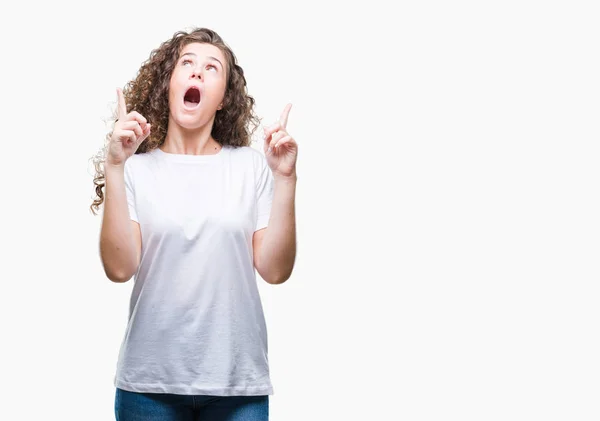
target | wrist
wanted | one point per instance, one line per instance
(286, 179)
(113, 168)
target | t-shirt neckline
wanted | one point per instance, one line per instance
(175, 157)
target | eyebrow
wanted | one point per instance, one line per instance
(211, 57)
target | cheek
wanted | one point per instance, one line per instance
(174, 89)
(222, 88)
(177, 79)
(170, 95)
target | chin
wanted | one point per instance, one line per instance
(191, 122)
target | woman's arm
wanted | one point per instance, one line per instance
(120, 237)
(275, 246)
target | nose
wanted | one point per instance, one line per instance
(197, 73)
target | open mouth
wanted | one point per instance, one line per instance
(192, 97)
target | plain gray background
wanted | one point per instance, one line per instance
(447, 204)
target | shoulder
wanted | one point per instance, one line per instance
(138, 164)
(250, 152)
(139, 159)
(250, 155)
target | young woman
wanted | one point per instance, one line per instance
(191, 211)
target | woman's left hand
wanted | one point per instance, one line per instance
(281, 149)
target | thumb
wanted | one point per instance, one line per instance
(146, 133)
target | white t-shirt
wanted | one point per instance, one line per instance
(196, 324)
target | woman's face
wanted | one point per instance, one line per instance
(197, 85)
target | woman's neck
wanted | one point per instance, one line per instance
(190, 142)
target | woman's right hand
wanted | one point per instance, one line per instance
(129, 132)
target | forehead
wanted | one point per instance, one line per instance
(203, 50)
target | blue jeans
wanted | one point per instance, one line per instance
(135, 406)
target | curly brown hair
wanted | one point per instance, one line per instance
(148, 94)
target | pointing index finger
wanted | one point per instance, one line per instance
(121, 105)
(284, 115)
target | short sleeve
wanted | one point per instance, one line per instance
(264, 193)
(130, 191)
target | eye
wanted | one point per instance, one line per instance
(186, 62)
(211, 65)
